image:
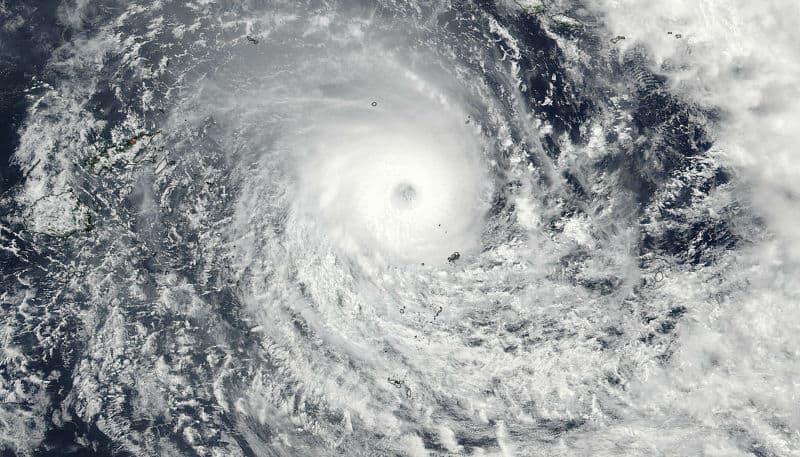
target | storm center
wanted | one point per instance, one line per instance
(404, 195)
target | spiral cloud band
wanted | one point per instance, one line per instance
(400, 228)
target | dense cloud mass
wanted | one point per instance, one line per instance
(400, 228)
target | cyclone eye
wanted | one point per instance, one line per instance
(404, 195)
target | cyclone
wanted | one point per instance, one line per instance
(398, 228)
(403, 179)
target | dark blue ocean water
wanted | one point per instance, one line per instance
(31, 31)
